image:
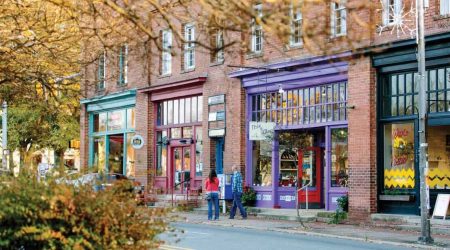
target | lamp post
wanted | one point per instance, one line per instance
(4, 135)
(425, 237)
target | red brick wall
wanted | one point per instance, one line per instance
(362, 139)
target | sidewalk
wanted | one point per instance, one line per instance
(363, 233)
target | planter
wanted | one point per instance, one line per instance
(249, 203)
(391, 197)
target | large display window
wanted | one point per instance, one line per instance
(339, 157)
(399, 157)
(438, 138)
(262, 163)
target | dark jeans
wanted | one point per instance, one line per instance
(237, 203)
(214, 200)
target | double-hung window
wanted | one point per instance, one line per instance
(392, 12)
(444, 8)
(101, 71)
(219, 47)
(338, 18)
(189, 46)
(123, 65)
(296, 26)
(166, 58)
(256, 43)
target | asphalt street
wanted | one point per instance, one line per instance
(201, 236)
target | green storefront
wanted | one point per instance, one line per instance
(397, 112)
(111, 127)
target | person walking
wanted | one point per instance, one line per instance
(212, 192)
(237, 194)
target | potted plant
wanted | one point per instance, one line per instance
(248, 196)
(396, 195)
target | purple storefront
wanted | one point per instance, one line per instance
(306, 103)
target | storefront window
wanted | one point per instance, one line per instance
(131, 118)
(116, 120)
(262, 163)
(439, 157)
(99, 153)
(180, 111)
(198, 151)
(100, 122)
(302, 106)
(339, 157)
(115, 156)
(130, 164)
(187, 132)
(161, 153)
(175, 133)
(399, 156)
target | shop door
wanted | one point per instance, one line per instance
(310, 175)
(181, 168)
(115, 154)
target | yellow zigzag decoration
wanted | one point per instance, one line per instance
(399, 178)
(438, 177)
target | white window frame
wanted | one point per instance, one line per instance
(338, 15)
(189, 47)
(392, 12)
(444, 7)
(296, 26)
(166, 55)
(257, 33)
(101, 81)
(220, 55)
(123, 65)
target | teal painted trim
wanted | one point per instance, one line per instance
(91, 141)
(124, 158)
(112, 104)
(102, 98)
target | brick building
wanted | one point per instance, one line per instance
(339, 124)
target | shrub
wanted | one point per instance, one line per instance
(248, 195)
(341, 211)
(45, 215)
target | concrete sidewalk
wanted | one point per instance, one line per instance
(369, 233)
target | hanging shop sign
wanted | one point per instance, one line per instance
(137, 142)
(441, 207)
(261, 131)
(216, 116)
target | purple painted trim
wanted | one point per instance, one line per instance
(275, 167)
(297, 84)
(296, 77)
(314, 125)
(249, 144)
(291, 63)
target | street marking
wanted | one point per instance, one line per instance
(169, 247)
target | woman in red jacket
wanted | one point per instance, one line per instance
(212, 192)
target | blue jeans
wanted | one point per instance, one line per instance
(214, 200)
(237, 203)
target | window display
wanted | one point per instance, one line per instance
(439, 157)
(262, 163)
(339, 157)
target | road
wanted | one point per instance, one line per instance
(201, 236)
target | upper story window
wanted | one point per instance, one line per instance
(444, 8)
(392, 12)
(296, 26)
(338, 19)
(189, 46)
(166, 55)
(256, 42)
(123, 65)
(319, 104)
(101, 71)
(219, 46)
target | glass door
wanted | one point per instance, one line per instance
(115, 154)
(181, 162)
(310, 177)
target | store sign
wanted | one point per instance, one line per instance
(287, 198)
(137, 142)
(260, 131)
(441, 207)
(216, 116)
(216, 132)
(264, 197)
(217, 99)
(43, 169)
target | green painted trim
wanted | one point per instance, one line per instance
(102, 98)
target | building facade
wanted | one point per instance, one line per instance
(344, 119)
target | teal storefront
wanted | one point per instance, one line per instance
(111, 126)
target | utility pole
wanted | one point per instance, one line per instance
(425, 237)
(5, 135)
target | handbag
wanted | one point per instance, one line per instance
(208, 196)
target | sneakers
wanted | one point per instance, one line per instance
(231, 218)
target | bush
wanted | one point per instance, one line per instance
(45, 215)
(343, 203)
(341, 211)
(248, 196)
